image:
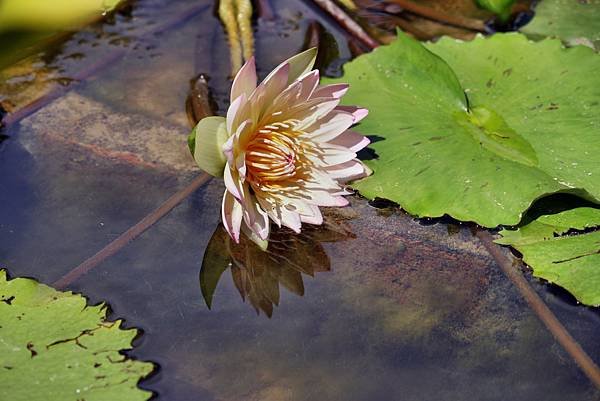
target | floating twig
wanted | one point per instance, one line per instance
(560, 333)
(409, 28)
(450, 19)
(351, 26)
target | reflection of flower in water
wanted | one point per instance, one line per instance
(258, 274)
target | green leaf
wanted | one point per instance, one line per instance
(51, 15)
(548, 226)
(29, 26)
(15, 46)
(55, 347)
(524, 132)
(570, 261)
(574, 21)
(500, 7)
(208, 137)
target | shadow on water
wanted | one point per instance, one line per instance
(257, 274)
(556, 203)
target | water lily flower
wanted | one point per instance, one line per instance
(284, 149)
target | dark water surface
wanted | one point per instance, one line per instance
(373, 306)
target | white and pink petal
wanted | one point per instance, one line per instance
(351, 140)
(333, 91)
(231, 213)
(358, 112)
(245, 80)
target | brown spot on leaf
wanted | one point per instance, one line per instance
(31, 349)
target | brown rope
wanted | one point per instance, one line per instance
(131, 233)
(560, 333)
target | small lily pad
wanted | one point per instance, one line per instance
(571, 261)
(477, 130)
(53, 346)
(573, 21)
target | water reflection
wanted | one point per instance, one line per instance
(258, 275)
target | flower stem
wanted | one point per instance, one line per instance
(227, 14)
(244, 20)
(560, 333)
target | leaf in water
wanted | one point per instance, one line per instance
(570, 261)
(257, 274)
(548, 226)
(216, 261)
(484, 133)
(574, 21)
(55, 347)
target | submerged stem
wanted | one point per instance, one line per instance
(244, 20)
(227, 14)
(560, 333)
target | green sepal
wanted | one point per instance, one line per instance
(206, 141)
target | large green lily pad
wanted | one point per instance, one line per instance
(55, 347)
(502, 122)
(571, 20)
(571, 261)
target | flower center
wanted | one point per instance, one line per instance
(273, 154)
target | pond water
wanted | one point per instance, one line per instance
(376, 305)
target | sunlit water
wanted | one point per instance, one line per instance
(374, 306)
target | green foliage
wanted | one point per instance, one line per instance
(548, 226)
(500, 7)
(574, 21)
(571, 261)
(29, 26)
(477, 130)
(54, 347)
(42, 15)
